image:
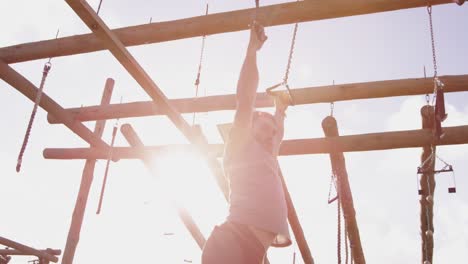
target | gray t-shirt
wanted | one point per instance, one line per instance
(256, 192)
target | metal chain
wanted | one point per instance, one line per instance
(45, 72)
(99, 8)
(434, 59)
(291, 51)
(200, 63)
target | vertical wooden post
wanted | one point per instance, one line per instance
(330, 129)
(133, 139)
(296, 225)
(427, 184)
(86, 181)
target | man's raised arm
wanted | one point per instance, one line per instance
(248, 80)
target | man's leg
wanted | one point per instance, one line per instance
(232, 243)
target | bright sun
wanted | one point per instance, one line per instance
(184, 178)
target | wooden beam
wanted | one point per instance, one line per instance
(134, 140)
(86, 180)
(16, 252)
(195, 136)
(272, 15)
(352, 143)
(17, 81)
(28, 250)
(100, 29)
(323, 94)
(295, 225)
(345, 196)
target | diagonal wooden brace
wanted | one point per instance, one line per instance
(115, 46)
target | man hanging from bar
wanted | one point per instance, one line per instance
(258, 212)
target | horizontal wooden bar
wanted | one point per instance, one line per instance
(232, 21)
(352, 143)
(310, 95)
(28, 250)
(15, 252)
(24, 86)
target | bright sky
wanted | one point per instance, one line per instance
(37, 204)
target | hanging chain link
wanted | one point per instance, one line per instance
(291, 52)
(434, 58)
(200, 63)
(99, 8)
(437, 83)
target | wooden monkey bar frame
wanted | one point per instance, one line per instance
(116, 40)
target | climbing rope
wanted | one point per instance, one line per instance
(109, 157)
(346, 243)
(429, 199)
(338, 242)
(200, 62)
(45, 72)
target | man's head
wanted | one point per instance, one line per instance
(264, 129)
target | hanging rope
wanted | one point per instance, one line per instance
(338, 242)
(109, 157)
(197, 81)
(346, 243)
(45, 72)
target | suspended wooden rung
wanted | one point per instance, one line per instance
(446, 168)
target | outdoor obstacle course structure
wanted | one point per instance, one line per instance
(116, 42)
